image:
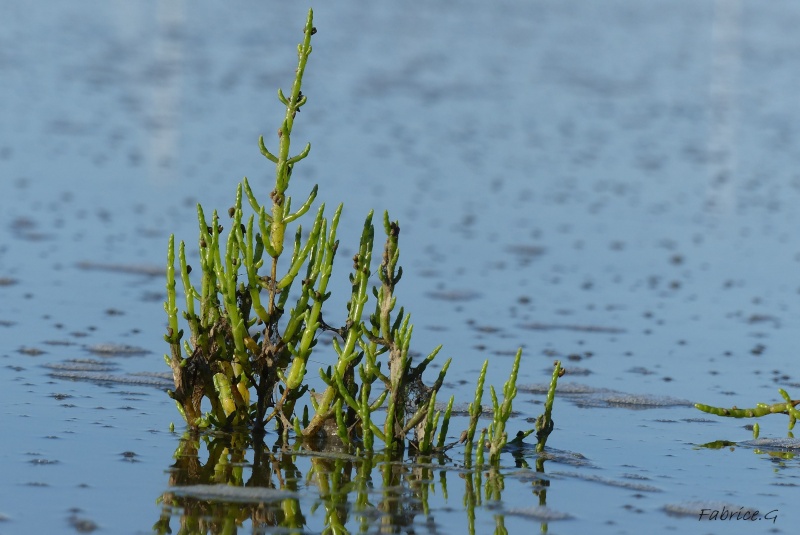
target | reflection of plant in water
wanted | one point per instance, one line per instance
(246, 336)
(371, 493)
(475, 493)
(225, 467)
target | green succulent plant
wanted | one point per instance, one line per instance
(254, 310)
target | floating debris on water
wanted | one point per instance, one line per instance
(106, 378)
(587, 396)
(645, 401)
(167, 376)
(764, 318)
(31, 351)
(641, 370)
(576, 371)
(462, 409)
(339, 456)
(534, 326)
(639, 487)
(129, 456)
(454, 295)
(773, 443)
(563, 388)
(102, 372)
(116, 350)
(58, 343)
(43, 462)
(133, 269)
(569, 458)
(718, 444)
(524, 250)
(81, 525)
(537, 512)
(227, 493)
(82, 365)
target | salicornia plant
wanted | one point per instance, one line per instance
(255, 313)
(761, 409)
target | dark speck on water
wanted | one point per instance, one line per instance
(116, 350)
(81, 524)
(43, 462)
(31, 351)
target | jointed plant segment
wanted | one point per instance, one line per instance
(246, 336)
(761, 409)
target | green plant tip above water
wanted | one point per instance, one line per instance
(254, 311)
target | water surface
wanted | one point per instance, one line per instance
(607, 184)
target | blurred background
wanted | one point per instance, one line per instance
(612, 184)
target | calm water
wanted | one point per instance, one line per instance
(611, 184)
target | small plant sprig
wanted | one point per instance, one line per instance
(496, 433)
(245, 361)
(544, 423)
(761, 409)
(494, 438)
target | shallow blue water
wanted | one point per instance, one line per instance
(629, 167)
